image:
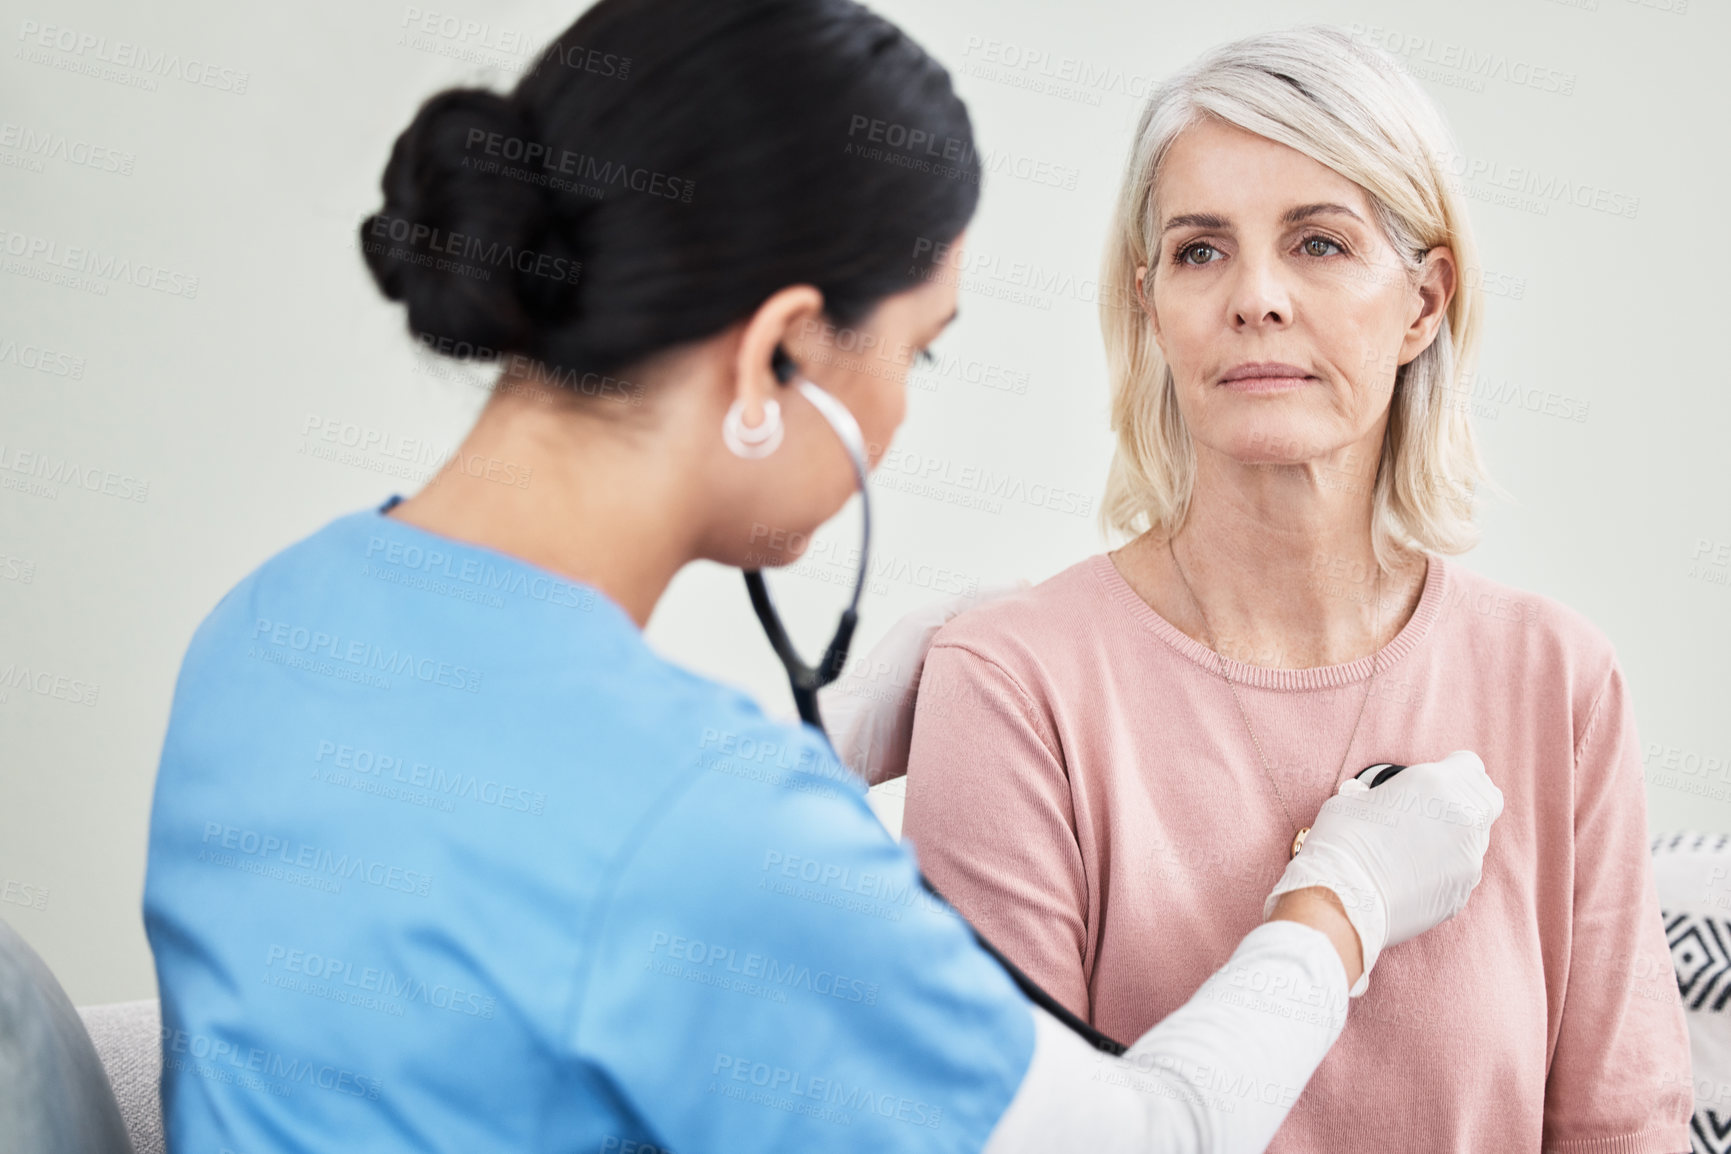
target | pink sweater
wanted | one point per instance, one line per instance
(1083, 788)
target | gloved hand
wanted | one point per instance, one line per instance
(869, 711)
(1403, 857)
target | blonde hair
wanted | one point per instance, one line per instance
(1346, 106)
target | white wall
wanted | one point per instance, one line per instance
(206, 397)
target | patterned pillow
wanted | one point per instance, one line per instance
(1693, 874)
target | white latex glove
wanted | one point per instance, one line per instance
(1402, 857)
(869, 711)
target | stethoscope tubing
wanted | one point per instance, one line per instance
(806, 680)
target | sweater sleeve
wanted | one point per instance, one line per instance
(990, 819)
(1619, 1080)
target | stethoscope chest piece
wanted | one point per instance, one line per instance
(1375, 775)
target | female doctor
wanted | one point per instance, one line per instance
(444, 857)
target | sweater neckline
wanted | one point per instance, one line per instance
(1318, 677)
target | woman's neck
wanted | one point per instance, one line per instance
(545, 479)
(1280, 560)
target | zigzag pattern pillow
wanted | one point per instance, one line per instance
(1693, 874)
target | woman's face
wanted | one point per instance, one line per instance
(865, 367)
(1277, 301)
(809, 477)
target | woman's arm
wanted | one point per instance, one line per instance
(989, 816)
(1620, 1073)
(869, 713)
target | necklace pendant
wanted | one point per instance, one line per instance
(1298, 840)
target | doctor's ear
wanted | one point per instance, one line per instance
(777, 332)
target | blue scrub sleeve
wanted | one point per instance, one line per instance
(769, 975)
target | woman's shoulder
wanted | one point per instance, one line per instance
(1036, 625)
(1538, 627)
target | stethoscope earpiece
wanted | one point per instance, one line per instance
(806, 680)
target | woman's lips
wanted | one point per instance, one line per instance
(1265, 377)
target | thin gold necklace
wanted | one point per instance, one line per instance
(1268, 771)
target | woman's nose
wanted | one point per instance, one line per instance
(1259, 296)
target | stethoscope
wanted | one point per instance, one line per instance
(806, 680)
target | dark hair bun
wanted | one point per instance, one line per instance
(698, 155)
(469, 245)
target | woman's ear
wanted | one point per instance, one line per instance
(786, 318)
(1142, 290)
(1437, 282)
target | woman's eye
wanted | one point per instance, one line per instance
(927, 357)
(1320, 246)
(1199, 253)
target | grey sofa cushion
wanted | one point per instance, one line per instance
(128, 1039)
(54, 1095)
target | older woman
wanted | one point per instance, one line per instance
(1109, 769)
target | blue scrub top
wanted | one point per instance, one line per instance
(444, 858)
